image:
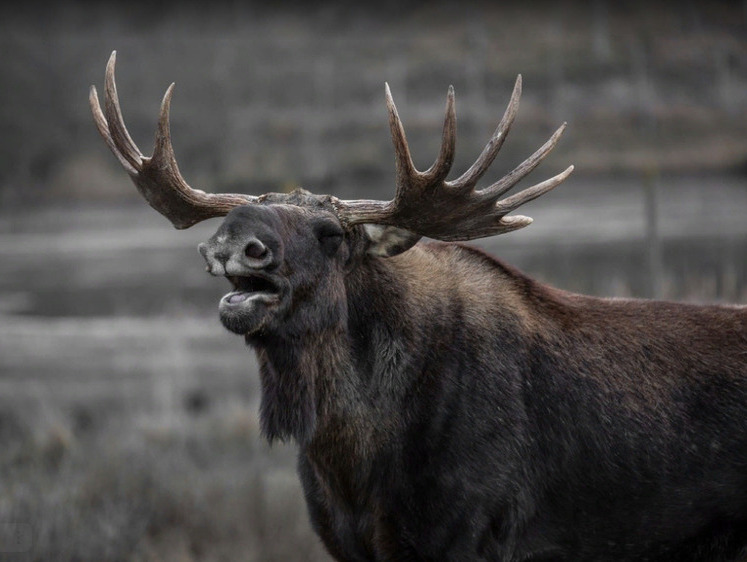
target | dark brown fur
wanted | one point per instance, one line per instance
(447, 407)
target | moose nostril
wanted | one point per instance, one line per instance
(255, 250)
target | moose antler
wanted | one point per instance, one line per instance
(426, 204)
(157, 178)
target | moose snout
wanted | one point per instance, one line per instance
(247, 242)
(237, 256)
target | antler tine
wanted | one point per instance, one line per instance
(103, 127)
(157, 178)
(427, 205)
(525, 195)
(514, 176)
(163, 151)
(443, 163)
(469, 178)
(403, 161)
(119, 133)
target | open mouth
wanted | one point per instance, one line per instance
(251, 287)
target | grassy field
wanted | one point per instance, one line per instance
(128, 425)
(127, 414)
(137, 439)
(137, 488)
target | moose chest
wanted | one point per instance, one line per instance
(343, 482)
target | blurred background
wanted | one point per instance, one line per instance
(128, 415)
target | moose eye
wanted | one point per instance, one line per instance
(330, 236)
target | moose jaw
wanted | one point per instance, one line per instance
(445, 405)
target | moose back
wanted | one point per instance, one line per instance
(447, 407)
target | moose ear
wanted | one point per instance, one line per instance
(389, 241)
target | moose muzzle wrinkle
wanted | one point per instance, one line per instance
(235, 257)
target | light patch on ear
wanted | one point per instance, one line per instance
(388, 241)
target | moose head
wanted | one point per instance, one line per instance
(286, 255)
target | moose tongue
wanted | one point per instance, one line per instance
(238, 297)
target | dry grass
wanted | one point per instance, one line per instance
(198, 488)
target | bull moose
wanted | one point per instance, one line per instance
(445, 405)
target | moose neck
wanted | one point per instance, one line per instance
(352, 376)
(334, 376)
(294, 373)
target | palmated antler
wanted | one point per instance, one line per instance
(157, 178)
(426, 204)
